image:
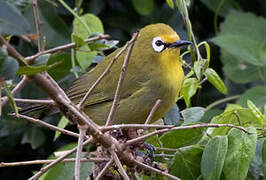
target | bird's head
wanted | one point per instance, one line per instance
(160, 40)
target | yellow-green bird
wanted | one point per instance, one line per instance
(153, 72)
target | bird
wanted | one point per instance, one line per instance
(153, 72)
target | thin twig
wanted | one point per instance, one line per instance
(103, 171)
(153, 110)
(20, 85)
(115, 104)
(119, 164)
(106, 71)
(164, 155)
(49, 126)
(37, 22)
(238, 118)
(141, 138)
(36, 101)
(54, 162)
(12, 51)
(24, 163)
(144, 166)
(66, 46)
(135, 126)
(82, 133)
(166, 149)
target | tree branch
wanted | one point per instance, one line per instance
(153, 110)
(141, 138)
(111, 114)
(37, 22)
(106, 71)
(144, 166)
(103, 171)
(49, 126)
(82, 133)
(54, 162)
(36, 101)
(24, 163)
(135, 126)
(12, 51)
(19, 86)
(119, 165)
(59, 48)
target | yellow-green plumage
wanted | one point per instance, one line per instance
(150, 76)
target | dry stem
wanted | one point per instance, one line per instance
(49, 126)
(119, 164)
(153, 110)
(82, 102)
(54, 162)
(66, 46)
(135, 126)
(103, 171)
(115, 104)
(24, 163)
(141, 138)
(20, 85)
(37, 22)
(141, 165)
(82, 133)
(36, 101)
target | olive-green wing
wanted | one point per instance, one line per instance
(105, 90)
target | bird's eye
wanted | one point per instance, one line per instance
(158, 44)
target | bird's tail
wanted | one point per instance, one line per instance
(36, 110)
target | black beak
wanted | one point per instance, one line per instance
(178, 43)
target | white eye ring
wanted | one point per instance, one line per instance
(158, 44)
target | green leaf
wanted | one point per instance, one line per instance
(264, 156)
(31, 70)
(10, 97)
(11, 20)
(180, 138)
(9, 68)
(42, 60)
(240, 40)
(93, 22)
(186, 163)
(172, 117)
(79, 42)
(197, 69)
(63, 68)
(241, 151)
(143, 7)
(65, 171)
(256, 94)
(213, 157)
(187, 2)
(85, 57)
(236, 116)
(189, 89)
(215, 80)
(192, 115)
(62, 124)
(256, 112)
(255, 170)
(170, 3)
(208, 115)
(240, 71)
